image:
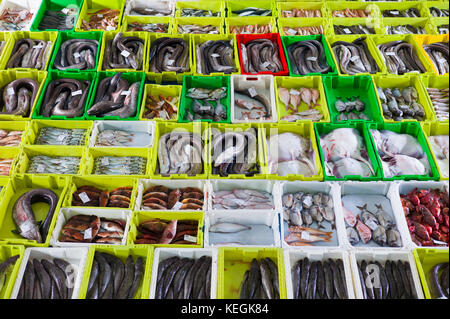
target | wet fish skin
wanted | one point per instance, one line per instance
(401, 290)
(274, 277)
(254, 278)
(392, 293)
(329, 286)
(312, 283)
(404, 278)
(44, 279)
(128, 277)
(93, 277)
(244, 286)
(305, 272)
(138, 275)
(67, 269)
(296, 272)
(383, 281)
(266, 280)
(105, 274)
(190, 277)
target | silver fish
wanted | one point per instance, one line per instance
(383, 217)
(368, 218)
(393, 238)
(352, 236)
(379, 236)
(228, 228)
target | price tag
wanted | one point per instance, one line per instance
(437, 242)
(23, 14)
(312, 58)
(395, 12)
(252, 92)
(84, 197)
(415, 71)
(292, 31)
(177, 206)
(149, 10)
(10, 91)
(125, 53)
(105, 161)
(65, 11)
(170, 62)
(40, 168)
(205, 108)
(61, 137)
(389, 53)
(88, 233)
(294, 92)
(305, 235)
(39, 46)
(79, 92)
(215, 55)
(126, 93)
(441, 61)
(76, 55)
(265, 64)
(110, 28)
(27, 226)
(100, 15)
(347, 31)
(354, 58)
(190, 238)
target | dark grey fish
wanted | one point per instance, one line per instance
(93, 293)
(190, 277)
(200, 279)
(105, 273)
(408, 271)
(68, 271)
(93, 276)
(312, 284)
(274, 277)
(44, 279)
(37, 289)
(138, 275)
(320, 282)
(384, 281)
(361, 279)
(164, 265)
(127, 281)
(244, 286)
(339, 286)
(306, 265)
(329, 286)
(208, 283)
(401, 290)
(340, 265)
(369, 290)
(392, 293)
(254, 279)
(404, 278)
(296, 271)
(180, 277)
(267, 284)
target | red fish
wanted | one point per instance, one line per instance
(169, 233)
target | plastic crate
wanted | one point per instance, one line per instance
(8, 251)
(240, 5)
(415, 22)
(402, 6)
(426, 259)
(346, 88)
(157, 90)
(6, 38)
(15, 126)
(213, 6)
(91, 6)
(14, 153)
(137, 128)
(310, 5)
(371, 8)
(422, 40)
(55, 5)
(432, 129)
(369, 23)
(260, 21)
(54, 76)
(437, 23)
(160, 4)
(127, 20)
(207, 82)
(216, 22)
(30, 5)
(438, 82)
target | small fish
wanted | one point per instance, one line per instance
(393, 238)
(295, 217)
(364, 232)
(383, 217)
(368, 218)
(379, 236)
(349, 218)
(307, 201)
(228, 228)
(352, 236)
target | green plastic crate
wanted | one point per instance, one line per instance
(8, 251)
(426, 259)
(345, 88)
(413, 129)
(64, 36)
(131, 77)
(121, 252)
(422, 40)
(55, 75)
(432, 129)
(207, 82)
(55, 5)
(325, 128)
(4, 37)
(402, 6)
(19, 185)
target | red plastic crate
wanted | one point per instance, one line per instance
(274, 37)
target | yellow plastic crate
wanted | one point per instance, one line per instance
(122, 252)
(375, 24)
(216, 22)
(307, 5)
(260, 21)
(8, 251)
(92, 6)
(139, 217)
(428, 39)
(15, 126)
(127, 20)
(233, 5)
(213, 6)
(19, 185)
(371, 7)
(234, 262)
(432, 129)
(6, 38)
(297, 83)
(442, 4)
(426, 259)
(415, 22)
(402, 6)
(11, 152)
(437, 82)
(166, 91)
(291, 23)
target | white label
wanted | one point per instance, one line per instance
(40, 168)
(10, 91)
(437, 242)
(415, 71)
(105, 161)
(125, 53)
(294, 92)
(347, 31)
(441, 61)
(215, 55)
(84, 197)
(39, 46)
(395, 12)
(100, 15)
(79, 92)
(177, 206)
(292, 31)
(88, 233)
(170, 62)
(147, 9)
(126, 93)
(389, 53)
(252, 92)
(205, 108)
(26, 226)
(61, 137)
(65, 11)
(265, 64)
(354, 58)
(23, 14)
(312, 58)
(190, 238)
(76, 55)
(110, 28)
(305, 235)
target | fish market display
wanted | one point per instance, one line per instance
(60, 136)
(242, 199)
(353, 29)
(308, 57)
(400, 104)
(162, 198)
(77, 54)
(436, 12)
(375, 225)
(442, 29)
(253, 12)
(439, 282)
(352, 109)
(4, 267)
(163, 232)
(223, 233)
(115, 96)
(440, 146)
(41, 164)
(5, 166)
(47, 279)
(290, 154)
(184, 278)
(65, 97)
(93, 197)
(312, 30)
(169, 55)
(351, 13)
(122, 138)
(63, 19)
(125, 165)
(400, 154)
(293, 99)
(15, 19)
(235, 153)
(149, 27)
(306, 214)
(10, 138)
(408, 13)
(251, 104)
(426, 213)
(440, 100)
(24, 217)
(156, 9)
(439, 55)
(103, 19)
(261, 55)
(345, 153)
(400, 57)
(188, 12)
(111, 278)
(355, 57)
(405, 29)
(30, 53)
(319, 279)
(124, 53)
(395, 280)
(172, 161)
(251, 29)
(92, 229)
(197, 29)
(261, 281)
(215, 56)
(161, 107)
(301, 13)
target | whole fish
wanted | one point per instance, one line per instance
(227, 228)
(368, 218)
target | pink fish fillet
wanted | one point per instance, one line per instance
(364, 232)
(284, 95)
(349, 218)
(169, 233)
(315, 94)
(306, 96)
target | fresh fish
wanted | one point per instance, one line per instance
(379, 236)
(352, 236)
(227, 228)
(368, 218)
(365, 234)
